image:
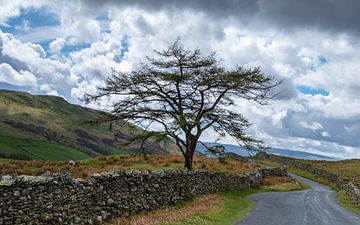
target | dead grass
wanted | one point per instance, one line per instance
(271, 180)
(199, 205)
(347, 169)
(85, 168)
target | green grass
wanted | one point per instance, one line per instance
(118, 151)
(235, 206)
(11, 147)
(340, 194)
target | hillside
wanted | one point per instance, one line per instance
(48, 127)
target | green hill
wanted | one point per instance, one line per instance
(48, 127)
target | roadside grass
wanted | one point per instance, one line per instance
(340, 194)
(282, 184)
(223, 209)
(347, 169)
(85, 168)
(268, 163)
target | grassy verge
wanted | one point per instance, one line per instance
(340, 194)
(214, 209)
(234, 206)
(347, 169)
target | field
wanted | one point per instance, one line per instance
(31, 149)
(347, 169)
(84, 168)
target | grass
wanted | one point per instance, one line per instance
(348, 169)
(268, 163)
(213, 209)
(182, 210)
(340, 194)
(87, 167)
(41, 150)
(282, 184)
(233, 207)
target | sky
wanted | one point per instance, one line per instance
(69, 47)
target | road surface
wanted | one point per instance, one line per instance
(315, 206)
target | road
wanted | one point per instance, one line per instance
(315, 206)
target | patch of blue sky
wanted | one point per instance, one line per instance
(313, 68)
(312, 91)
(29, 19)
(322, 59)
(67, 49)
(124, 49)
(6, 86)
(104, 21)
(45, 45)
(102, 17)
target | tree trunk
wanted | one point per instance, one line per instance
(189, 154)
(188, 162)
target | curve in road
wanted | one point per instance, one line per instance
(315, 206)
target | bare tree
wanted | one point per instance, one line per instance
(187, 93)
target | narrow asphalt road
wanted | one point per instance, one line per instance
(315, 206)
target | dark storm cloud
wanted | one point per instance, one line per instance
(222, 8)
(331, 15)
(341, 131)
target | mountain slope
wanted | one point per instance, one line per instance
(48, 127)
(276, 151)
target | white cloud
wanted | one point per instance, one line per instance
(325, 134)
(56, 46)
(11, 76)
(322, 124)
(311, 125)
(32, 58)
(48, 90)
(9, 9)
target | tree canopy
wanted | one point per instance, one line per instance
(186, 93)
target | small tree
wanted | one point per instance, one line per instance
(218, 151)
(187, 93)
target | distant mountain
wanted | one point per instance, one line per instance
(299, 154)
(276, 151)
(48, 127)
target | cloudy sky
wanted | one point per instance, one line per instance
(68, 48)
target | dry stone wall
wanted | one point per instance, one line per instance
(60, 199)
(349, 187)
